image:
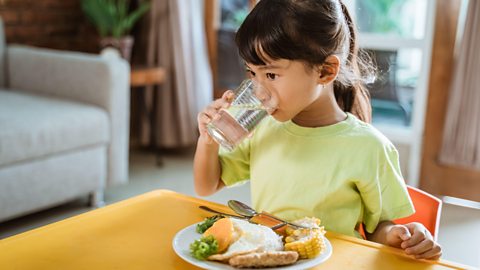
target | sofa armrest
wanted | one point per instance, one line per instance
(81, 77)
(98, 80)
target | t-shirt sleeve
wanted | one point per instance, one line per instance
(385, 196)
(235, 164)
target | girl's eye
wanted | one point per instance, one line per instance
(271, 76)
(251, 73)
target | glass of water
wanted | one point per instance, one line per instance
(250, 105)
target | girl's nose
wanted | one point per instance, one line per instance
(262, 94)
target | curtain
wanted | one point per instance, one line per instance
(461, 135)
(172, 35)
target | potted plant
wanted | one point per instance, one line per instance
(114, 21)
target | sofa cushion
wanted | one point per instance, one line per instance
(33, 126)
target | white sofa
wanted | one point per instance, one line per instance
(63, 127)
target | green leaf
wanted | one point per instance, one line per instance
(135, 15)
(122, 9)
(111, 17)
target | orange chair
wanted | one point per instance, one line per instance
(427, 211)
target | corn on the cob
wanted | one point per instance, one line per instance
(308, 243)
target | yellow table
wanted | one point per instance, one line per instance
(137, 234)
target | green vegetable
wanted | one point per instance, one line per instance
(202, 227)
(204, 247)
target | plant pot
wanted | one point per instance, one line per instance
(123, 45)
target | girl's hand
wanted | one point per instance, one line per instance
(415, 240)
(211, 112)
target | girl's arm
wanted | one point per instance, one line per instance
(413, 238)
(206, 168)
(206, 165)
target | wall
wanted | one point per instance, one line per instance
(58, 24)
(404, 150)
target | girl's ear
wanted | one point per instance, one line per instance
(328, 71)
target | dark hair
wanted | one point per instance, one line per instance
(309, 31)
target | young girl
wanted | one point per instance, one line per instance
(315, 155)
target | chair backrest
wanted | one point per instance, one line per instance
(427, 210)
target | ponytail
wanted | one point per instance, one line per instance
(352, 96)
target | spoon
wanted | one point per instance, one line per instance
(245, 210)
(206, 208)
(241, 208)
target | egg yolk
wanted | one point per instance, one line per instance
(222, 231)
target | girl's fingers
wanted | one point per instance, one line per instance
(224, 101)
(228, 96)
(211, 112)
(420, 248)
(421, 244)
(433, 254)
(213, 109)
(218, 104)
(203, 117)
(397, 235)
(418, 235)
(401, 232)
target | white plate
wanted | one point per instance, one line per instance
(183, 239)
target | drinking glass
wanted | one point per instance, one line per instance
(250, 106)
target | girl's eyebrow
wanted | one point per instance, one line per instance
(270, 67)
(266, 67)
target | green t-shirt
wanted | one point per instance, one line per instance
(345, 174)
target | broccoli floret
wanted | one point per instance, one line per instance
(204, 247)
(202, 227)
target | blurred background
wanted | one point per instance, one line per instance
(165, 60)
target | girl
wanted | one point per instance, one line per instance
(315, 155)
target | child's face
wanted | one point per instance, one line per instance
(291, 83)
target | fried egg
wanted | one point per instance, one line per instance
(248, 238)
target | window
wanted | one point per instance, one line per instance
(403, 18)
(393, 33)
(397, 34)
(231, 70)
(393, 91)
